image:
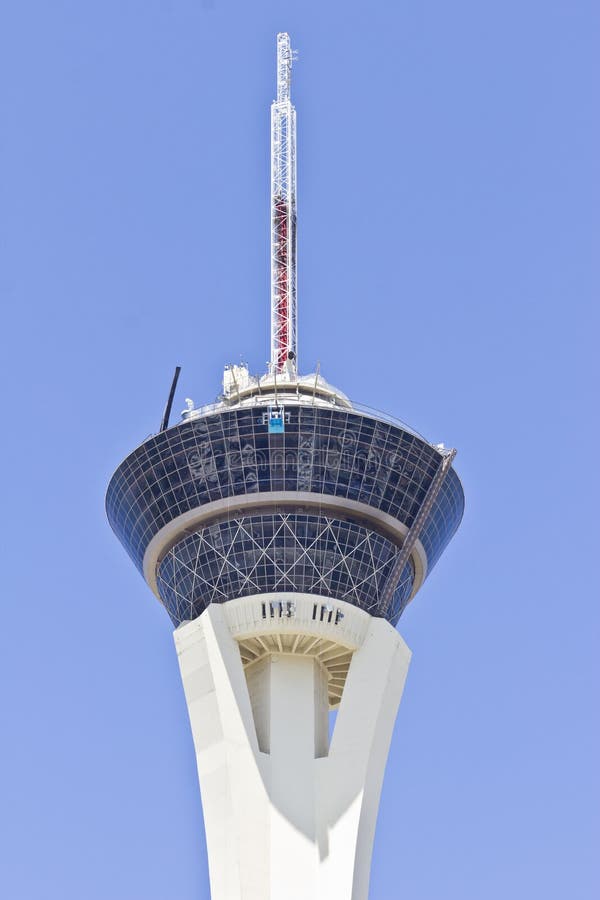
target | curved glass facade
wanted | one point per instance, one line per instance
(327, 451)
(281, 552)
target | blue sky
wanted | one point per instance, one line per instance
(448, 213)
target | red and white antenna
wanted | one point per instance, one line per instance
(283, 216)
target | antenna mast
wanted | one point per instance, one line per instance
(283, 216)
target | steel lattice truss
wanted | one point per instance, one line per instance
(283, 215)
(279, 552)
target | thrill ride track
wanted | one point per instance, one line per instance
(283, 216)
(284, 270)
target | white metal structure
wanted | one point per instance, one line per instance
(283, 216)
(287, 816)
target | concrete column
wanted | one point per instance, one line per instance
(286, 817)
(294, 687)
(349, 780)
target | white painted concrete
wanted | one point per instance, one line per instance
(284, 818)
(310, 614)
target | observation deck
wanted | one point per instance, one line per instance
(282, 486)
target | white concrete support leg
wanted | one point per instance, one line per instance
(349, 780)
(284, 818)
(230, 765)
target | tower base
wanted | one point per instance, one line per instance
(288, 816)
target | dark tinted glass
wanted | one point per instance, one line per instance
(326, 451)
(280, 552)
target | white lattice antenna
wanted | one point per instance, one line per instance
(283, 216)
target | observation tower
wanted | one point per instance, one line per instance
(285, 529)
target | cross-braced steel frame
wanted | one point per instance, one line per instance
(283, 215)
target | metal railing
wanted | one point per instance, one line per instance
(302, 399)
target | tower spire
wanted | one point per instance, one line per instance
(284, 565)
(283, 216)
